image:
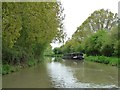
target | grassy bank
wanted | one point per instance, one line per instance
(103, 59)
(8, 68)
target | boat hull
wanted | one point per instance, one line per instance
(73, 56)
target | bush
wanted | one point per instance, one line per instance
(6, 69)
(31, 62)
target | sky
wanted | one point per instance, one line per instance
(77, 11)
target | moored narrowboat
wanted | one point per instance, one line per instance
(79, 56)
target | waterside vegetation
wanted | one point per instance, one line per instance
(97, 37)
(28, 28)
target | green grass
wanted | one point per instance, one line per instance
(103, 59)
(6, 69)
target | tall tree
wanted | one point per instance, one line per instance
(29, 27)
(98, 20)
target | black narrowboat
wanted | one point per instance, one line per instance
(79, 56)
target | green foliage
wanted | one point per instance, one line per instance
(98, 20)
(102, 59)
(11, 23)
(48, 50)
(28, 28)
(70, 46)
(94, 42)
(6, 69)
(98, 35)
(102, 43)
(57, 51)
(31, 62)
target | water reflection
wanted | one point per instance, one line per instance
(63, 74)
(76, 74)
(32, 77)
(61, 77)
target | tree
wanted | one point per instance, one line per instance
(29, 27)
(98, 20)
(96, 35)
(11, 24)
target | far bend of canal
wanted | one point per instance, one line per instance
(63, 74)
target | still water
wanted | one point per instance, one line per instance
(63, 74)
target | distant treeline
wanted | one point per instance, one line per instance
(97, 35)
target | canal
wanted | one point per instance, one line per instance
(63, 74)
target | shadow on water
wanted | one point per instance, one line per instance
(59, 73)
(32, 77)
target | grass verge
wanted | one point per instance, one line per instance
(103, 59)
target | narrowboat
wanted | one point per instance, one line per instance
(78, 56)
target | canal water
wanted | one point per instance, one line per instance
(61, 73)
